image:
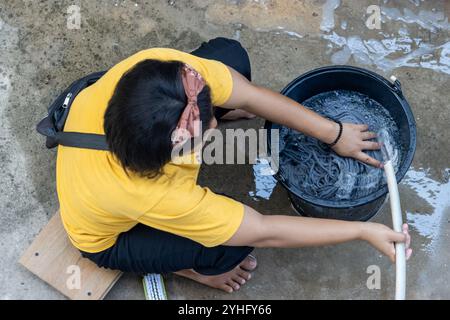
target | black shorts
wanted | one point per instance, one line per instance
(229, 52)
(147, 250)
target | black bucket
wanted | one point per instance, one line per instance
(390, 96)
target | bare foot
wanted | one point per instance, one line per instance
(238, 114)
(229, 281)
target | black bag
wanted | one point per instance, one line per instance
(52, 126)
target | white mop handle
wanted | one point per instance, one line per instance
(396, 211)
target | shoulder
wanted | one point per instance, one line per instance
(216, 74)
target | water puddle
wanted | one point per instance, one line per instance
(328, 8)
(381, 53)
(396, 49)
(411, 34)
(437, 194)
(431, 20)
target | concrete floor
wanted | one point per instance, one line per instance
(39, 56)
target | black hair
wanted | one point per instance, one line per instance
(144, 111)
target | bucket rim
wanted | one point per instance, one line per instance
(395, 89)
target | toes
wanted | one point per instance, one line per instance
(233, 285)
(226, 288)
(244, 274)
(238, 279)
(249, 263)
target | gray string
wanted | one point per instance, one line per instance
(310, 166)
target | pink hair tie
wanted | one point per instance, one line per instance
(189, 123)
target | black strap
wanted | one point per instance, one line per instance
(341, 128)
(82, 140)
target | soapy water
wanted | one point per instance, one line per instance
(327, 23)
(437, 194)
(388, 151)
(404, 39)
(413, 52)
(429, 20)
(315, 170)
(394, 51)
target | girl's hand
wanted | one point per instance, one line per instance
(383, 238)
(354, 140)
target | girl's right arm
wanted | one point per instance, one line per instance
(281, 231)
(280, 109)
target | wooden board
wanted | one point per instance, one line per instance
(54, 259)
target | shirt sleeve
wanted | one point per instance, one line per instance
(216, 74)
(219, 79)
(197, 213)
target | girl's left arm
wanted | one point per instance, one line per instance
(278, 108)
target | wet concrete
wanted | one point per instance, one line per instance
(40, 56)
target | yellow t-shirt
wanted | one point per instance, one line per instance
(99, 200)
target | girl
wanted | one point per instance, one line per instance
(133, 209)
